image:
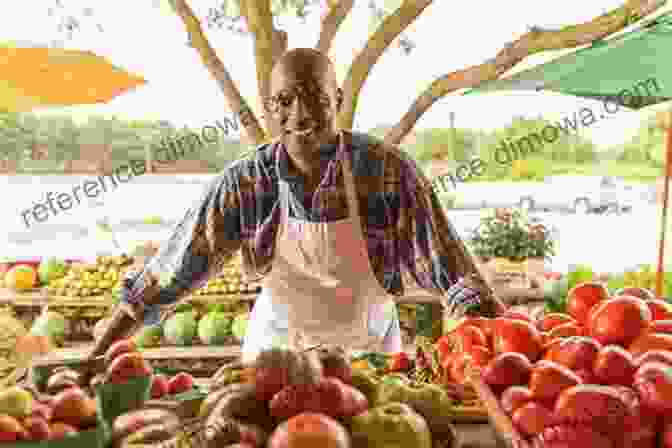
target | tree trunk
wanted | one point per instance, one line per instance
(387, 32)
(218, 71)
(260, 22)
(332, 21)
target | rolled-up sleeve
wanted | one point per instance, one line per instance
(431, 250)
(207, 236)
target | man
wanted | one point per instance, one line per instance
(330, 219)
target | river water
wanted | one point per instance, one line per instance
(608, 243)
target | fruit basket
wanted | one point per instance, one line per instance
(506, 433)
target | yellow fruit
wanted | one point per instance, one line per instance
(21, 277)
(362, 364)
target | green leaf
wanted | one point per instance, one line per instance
(580, 274)
(184, 308)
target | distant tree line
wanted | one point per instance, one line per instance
(63, 139)
(569, 153)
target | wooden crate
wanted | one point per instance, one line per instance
(507, 435)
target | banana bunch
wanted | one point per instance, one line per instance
(95, 279)
(11, 329)
(232, 307)
(229, 281)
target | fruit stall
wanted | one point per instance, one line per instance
(523, 379)
(589, 363)
(73, 300)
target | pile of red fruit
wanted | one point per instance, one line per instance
(67, 413)
(164, 386)
(125, 362)
(599, 376)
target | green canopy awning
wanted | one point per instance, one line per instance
(634, 68)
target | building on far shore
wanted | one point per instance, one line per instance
(182, 167)
(93, 159)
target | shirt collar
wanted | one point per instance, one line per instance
(328, 153)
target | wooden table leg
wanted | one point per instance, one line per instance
(477, 436)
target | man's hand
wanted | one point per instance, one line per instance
(485, 300)
(136, 311)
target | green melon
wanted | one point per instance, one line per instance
(214, 328)
(149, 336)
(51, 268)
(239, 327)
(52, 325)
(180, 328)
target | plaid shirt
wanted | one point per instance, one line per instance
(408, 234)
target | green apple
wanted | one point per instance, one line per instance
(16, 402)
(428, 400)
(394, 425)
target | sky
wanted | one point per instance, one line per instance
(147, 38)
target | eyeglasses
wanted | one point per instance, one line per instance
(310, 94)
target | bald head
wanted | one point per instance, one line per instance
(305, 64)
(305, 100)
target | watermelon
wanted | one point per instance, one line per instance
(51, 268)
(239, 327)
(149, 336)
(214, 328)
(52, 325)
(180, 328)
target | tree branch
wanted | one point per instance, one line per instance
(529, 43)
(332, 22)
(213, 63)
(260, 22)
(390, 29)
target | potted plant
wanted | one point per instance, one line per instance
(513, 244)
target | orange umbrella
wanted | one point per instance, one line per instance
(34, 77)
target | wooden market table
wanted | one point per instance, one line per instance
(218, 352)
(36, 299)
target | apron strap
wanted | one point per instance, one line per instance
(349, 181)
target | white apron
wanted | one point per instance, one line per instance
(321, 288)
